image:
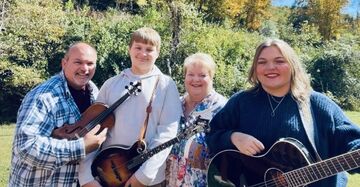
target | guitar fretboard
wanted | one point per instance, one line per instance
(323, 169)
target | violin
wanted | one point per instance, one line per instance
(98, 113)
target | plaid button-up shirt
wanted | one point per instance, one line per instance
(37, 158)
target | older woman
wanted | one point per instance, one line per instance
(187, 162)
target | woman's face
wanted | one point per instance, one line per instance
(198, 82)
(273, 71)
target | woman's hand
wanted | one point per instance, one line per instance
(246, 144)
(133, 182)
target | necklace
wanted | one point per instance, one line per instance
(278, 104)
(274, 99)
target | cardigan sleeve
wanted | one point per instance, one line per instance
(222, 125)
(335, 127)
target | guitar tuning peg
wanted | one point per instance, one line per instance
(127, 87)
(131, 83)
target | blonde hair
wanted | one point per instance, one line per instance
(146, 35)
(201, 59)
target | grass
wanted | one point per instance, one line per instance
(6, 137)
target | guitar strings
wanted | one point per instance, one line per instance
(277, 181)
(270, 183)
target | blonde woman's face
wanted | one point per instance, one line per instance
(198, 82)
(273, 71)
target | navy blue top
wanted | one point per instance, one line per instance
(250, 112)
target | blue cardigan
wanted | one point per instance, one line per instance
(250, 112)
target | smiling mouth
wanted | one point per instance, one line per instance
(83, 76)
(272, 75)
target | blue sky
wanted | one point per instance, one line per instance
(351, 8)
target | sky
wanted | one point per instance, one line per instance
(351, 8)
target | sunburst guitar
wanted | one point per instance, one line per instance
(114, 165)
(286, 163)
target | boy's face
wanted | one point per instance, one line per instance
(143, 57)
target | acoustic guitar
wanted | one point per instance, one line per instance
(114, 165)
(97, 113)
(286, 163)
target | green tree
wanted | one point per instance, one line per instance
(221, 10)
(33, 33)
(255, 11)
(325, 14)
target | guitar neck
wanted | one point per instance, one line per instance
(196, 127)
(324, 169)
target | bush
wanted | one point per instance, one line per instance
(337, 70)
(15, 82)
(34, 31)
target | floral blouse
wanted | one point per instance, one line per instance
(188, 159)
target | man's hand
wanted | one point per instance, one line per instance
(93, 141)
(246, 144)
(133, 182)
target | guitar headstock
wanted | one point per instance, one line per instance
(194, 126)
(134, 88)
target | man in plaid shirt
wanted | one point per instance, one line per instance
(39, 159)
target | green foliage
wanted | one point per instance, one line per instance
(337, 70)
(231, 50)
(38, 32)
(14, 86)
(325, 14)
(34, 32)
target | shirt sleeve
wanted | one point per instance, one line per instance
(33, 143)
(166, 129)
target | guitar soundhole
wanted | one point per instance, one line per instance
(275, 177)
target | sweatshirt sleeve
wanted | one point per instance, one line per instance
(166, 129)
(85, 175)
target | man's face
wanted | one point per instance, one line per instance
(79, 66)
